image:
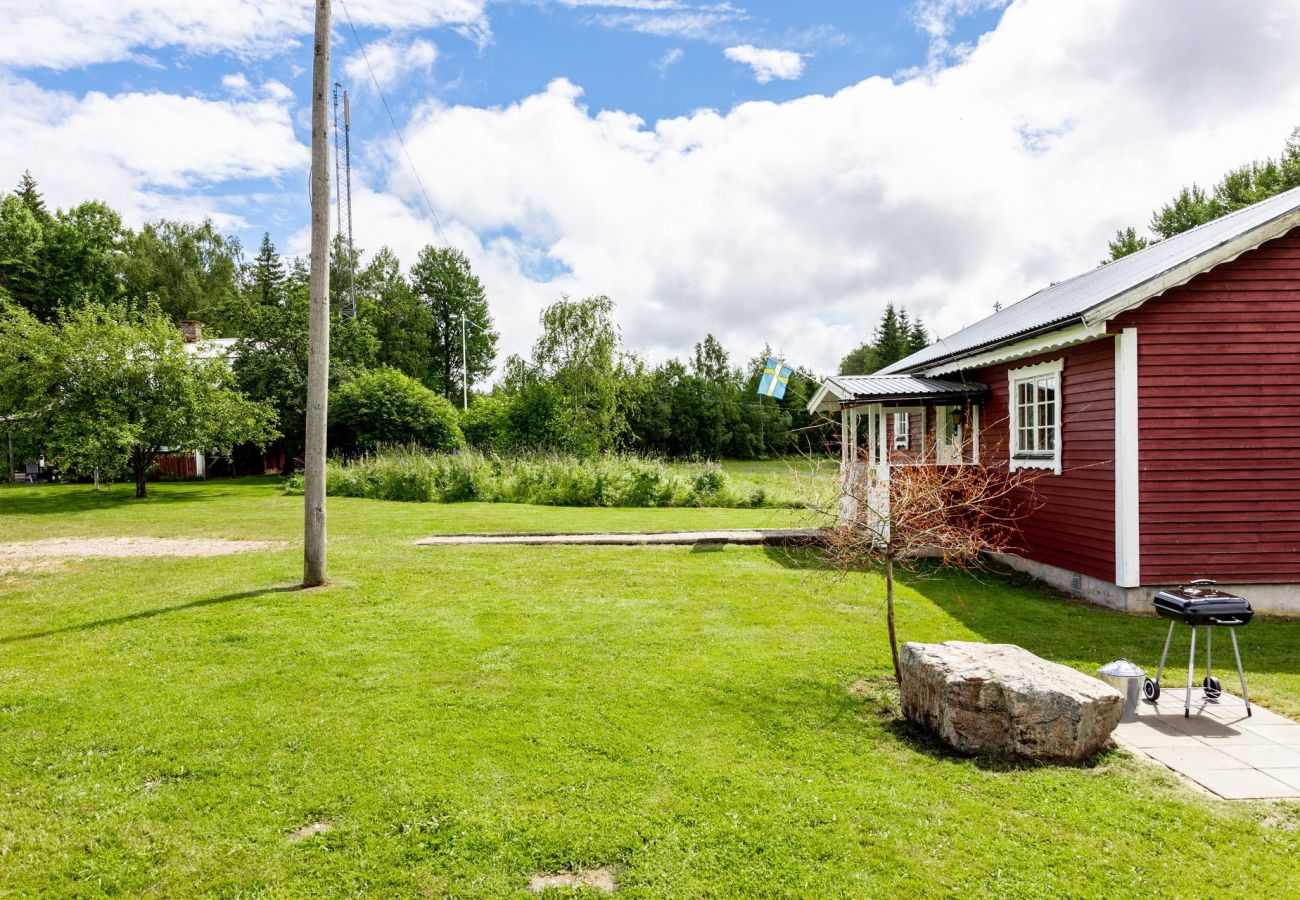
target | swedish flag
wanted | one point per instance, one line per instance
(776, 375)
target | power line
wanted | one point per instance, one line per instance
(393, 121)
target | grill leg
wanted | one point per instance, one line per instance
(1191, 673)
(1240, 672)
(1209, 637)
(1164, 653)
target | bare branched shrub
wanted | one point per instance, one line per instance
(919, 510)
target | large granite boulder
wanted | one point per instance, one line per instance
(1001, 700)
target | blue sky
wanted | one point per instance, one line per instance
(770, 172)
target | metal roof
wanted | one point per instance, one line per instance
(899, 387)
(1069, 301)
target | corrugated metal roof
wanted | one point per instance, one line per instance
(1067, 301)
(884, 387)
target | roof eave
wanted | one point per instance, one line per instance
(1105, 310)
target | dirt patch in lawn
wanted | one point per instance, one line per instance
(602, 879)
(32, 556)
(309, 831)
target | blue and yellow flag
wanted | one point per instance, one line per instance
(776, 375)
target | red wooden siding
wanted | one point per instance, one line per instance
(1074, 527)
(1219, 401)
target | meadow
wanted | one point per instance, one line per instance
(711, 721)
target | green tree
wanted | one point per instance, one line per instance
(896, 337)
(383, 406)
(444, 282)
(30, 196)
(268, 274)
(187, 270)
(119, 392)
(578, 352)
(711, 362)
(22, 256)
(1126, 241)
(1239, 187)
(270, 361)
(402, 321)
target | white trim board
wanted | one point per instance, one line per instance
(1128, 547)
(1043, 343)
(1055, 368)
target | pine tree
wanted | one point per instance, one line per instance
(30, 196)
(268, 273)
(897, 337)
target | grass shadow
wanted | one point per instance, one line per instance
(150, 613)
(29, 500)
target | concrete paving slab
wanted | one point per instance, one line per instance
(1264, 756)
(1288, 735)
(1218, 747)
(1243, 784)
(1144, 735)
(777, 537)
(1289, 777)
(1195, 759)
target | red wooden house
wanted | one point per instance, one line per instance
(1155, 393)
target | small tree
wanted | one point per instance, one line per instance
(119, 393)
(955, 514)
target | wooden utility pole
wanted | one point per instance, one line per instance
(318, 286)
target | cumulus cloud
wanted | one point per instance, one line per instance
(146, 153)
(794, 223)
(768, 64)
(389, 60)
(62, 34)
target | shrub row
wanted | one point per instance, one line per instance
(412, 474)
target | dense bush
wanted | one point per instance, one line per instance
(555, 480)
(383, 407)
(485, 424)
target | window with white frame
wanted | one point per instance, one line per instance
(902, 439)
(1035, 416)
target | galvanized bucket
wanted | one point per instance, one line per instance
(1126, 678)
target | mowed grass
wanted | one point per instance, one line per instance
(712, 722)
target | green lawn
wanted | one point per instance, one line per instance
(713, 722)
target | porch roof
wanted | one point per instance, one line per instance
(851, 390)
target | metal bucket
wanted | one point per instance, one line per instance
(1126, 678)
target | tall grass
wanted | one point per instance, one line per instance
(411, 474)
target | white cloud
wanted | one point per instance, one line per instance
(671, 57)
(768, 64)
(715, 22)
(146, 154)
(794, 223)
(62, 34)
(236, 83)
(389, 61)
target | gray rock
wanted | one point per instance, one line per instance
(1002, 700)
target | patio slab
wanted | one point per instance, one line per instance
(1217, 746)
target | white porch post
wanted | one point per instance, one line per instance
(845, 412)
(200, 464)
(1128, 546)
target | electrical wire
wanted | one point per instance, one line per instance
(393, 121)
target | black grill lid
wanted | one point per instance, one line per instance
(1201, 604)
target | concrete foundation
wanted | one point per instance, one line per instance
(1268, 599)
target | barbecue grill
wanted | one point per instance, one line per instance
(1199, 605)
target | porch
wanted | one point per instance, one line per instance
(898, 420)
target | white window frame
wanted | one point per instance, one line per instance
(903, 435)
(1018, 458)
